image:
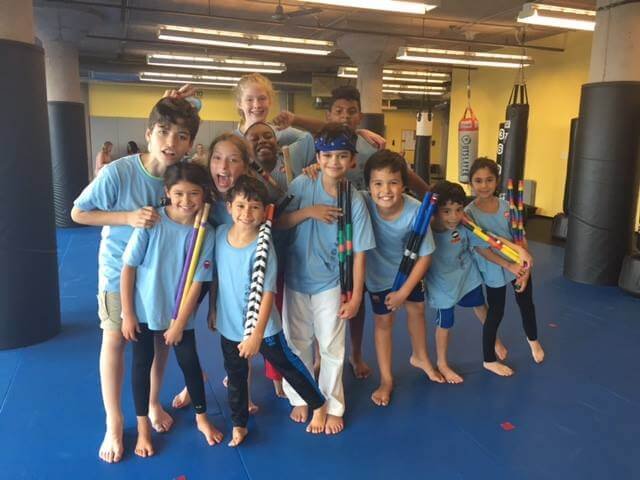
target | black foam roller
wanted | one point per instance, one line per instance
(29, 299)
(604, 184)
(422, 160)
(68, 157)
(573, 137)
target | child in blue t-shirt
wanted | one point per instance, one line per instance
(123, 196)
(492, 213)
(234, 255)
(392, 217)
(153, 262)
(453, 277)
(313, 307)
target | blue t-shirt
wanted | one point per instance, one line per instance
(493, 275)
(158, 253)
(356, 174)
(312, 260)
(234, 267)
(453, 272)
(121, 186)
(219, 215)
(391, 237)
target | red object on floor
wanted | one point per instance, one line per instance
(181, 477)
(507, 426)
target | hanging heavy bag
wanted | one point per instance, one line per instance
(515, 143)
(467, 143)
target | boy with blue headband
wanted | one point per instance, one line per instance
(313, 307)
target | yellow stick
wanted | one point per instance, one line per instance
(196, 254)
(286, 157)
(506, 250)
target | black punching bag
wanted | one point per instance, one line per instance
(604, 183)
(29, 299)
(560, 224)
(515, 142)
(68, 157)
(422, 159)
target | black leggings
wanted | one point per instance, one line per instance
(496, 300)
(143, 351)
(277, 352)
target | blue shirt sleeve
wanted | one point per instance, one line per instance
(205, 269)
(101, 193)
(428, 246)
(363, 238)
(136, 249)
(302, 153)
(296, 188)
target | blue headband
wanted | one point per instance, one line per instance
(341, 142)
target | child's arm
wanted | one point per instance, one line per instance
(417, 185)
(145, 217)
(395, 299)
(129, 319)
(212, 316)
(349, 309)
(493, 257)
(287, 119)
(173, 335)
(251, 346)
(323, 213)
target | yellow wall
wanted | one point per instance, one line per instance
(133, 101)
(554, 96)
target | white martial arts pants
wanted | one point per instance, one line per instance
(306, 317)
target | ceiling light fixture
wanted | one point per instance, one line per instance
(398, 6)
(411, 92)
(555, 16)
(461, 57)
(423, 88)
(223, 38)
(399, 75)
(180, 78)
(215, 63)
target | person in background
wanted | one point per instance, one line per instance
(104, 156)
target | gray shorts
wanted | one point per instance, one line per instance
(110, 310)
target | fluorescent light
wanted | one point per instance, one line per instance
(215, 63)
(399, 6)
(399, 75)
(460, 57)
(223, 38)
(410, 92)
(424, 88)
(187, 78)
(554, 16)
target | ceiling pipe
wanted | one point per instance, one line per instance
(332, 29)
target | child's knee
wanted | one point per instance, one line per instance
(384, 322)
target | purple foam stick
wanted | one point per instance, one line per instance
(185, 268)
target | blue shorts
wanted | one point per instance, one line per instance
(445, 317)
(377, 299)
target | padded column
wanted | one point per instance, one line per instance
(604, 185)
(29, 303)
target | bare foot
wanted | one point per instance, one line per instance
(334, 425)
(277, 387)
(111, 449)
(225, 381)
(382, 396)
(318, 420)
(428, 368)
(211, 433)
(182, 399)
(359, 367)
(238, 436)
(161, 421)
(449, 375)
(537, 351)
(144, 446)
(501, 350)
(299, 414)
(498, 368)
(253, 408)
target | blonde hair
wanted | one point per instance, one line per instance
(253, 78)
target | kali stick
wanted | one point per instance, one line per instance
(264, 174)
(348, 239)
(185, 268)
(258, 272)
(520, 212)
(513, 211)
(341, 244)
(492, 240)
(410, 246)
(286, 160)
(196, 254)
